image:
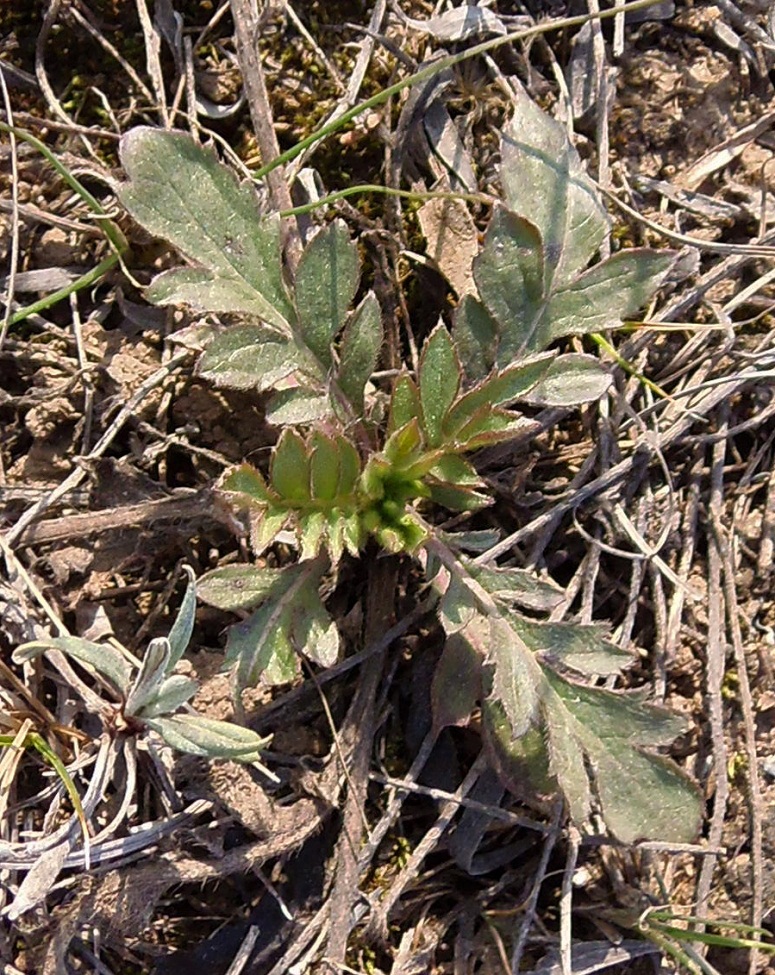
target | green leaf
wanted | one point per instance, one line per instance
(248, 357)
(297, 405)
(183, 627)
(150, 677)
(326, 282)
(289, 472)
(349, 467)
(605, 294)
(404, 403)
(509, 273)
(292, 621)
(404, 446)
(487, 426)
(359, 351)
(244, 485)
(476, 335)
(455, 470)
(501, 388)
(543, 178)
(517, 680)
(179, 191)
(581, 647)
(235, 587)
(173, 692)
(197, 735)
(518, 587)
(457, 498)
(523, 765)
(439, 381)
(456, 688)
(311, 531)
(642, 796)
(325, 461)
(566, 757)
(571, 380)
(106, 660)
(266, 525)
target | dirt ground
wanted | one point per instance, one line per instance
(110, 444)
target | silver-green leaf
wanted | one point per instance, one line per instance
(180, 191)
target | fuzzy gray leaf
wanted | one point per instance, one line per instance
(326, 282)
(181, 192)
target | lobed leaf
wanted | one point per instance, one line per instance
(509, 274)
(602, 296)
(181, 192)
(642, 796)
(292, 620)
(543, 177)
(476, 335)
(582, 647)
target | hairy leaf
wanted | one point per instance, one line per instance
(183, 627)
(582, 647)
(291, 621)
(515, 675)
(197, 735)
(150, 677)
(476, 334)
(290, 474)
(404, 403)
(570, 380)
(235, 587)
(642, 796)
(181, 192)
(439, 381)
(297, 405)
(543, 178)
(518, 587)
(103, 658)
(456, 688)
(172, 693)
(248, 357)
(326, 282)
(605, 294)
(359, 352)
(509, 273)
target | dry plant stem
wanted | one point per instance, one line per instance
(755, 803)
(378, 924)
(566, 900)
(105, 44)
(360, 726)
(716, 395)
(152, 61)
(532, 903)
(78, 474)
(14, 214)
(244, 17)
(191, 506)
(715, 672)
(40, 69)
